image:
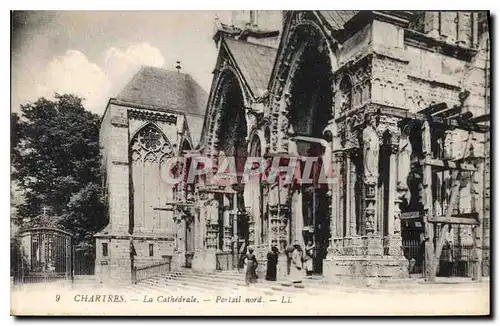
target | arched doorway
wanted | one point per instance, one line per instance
(310, 110)
(231, 144)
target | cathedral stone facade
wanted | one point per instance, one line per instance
(394, 102)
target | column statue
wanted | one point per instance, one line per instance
(404, 162)
(371, 149)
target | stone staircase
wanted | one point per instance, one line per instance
(223, 281)
(189, 281)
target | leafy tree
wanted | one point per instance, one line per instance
(56, 163)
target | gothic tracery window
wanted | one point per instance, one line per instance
(149, 150)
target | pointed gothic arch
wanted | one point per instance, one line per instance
(148, 150)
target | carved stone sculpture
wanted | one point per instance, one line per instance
(404, 162)
(371, 149)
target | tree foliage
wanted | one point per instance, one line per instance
(56, 163)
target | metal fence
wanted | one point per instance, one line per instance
(224, 261)
(455, 261)
(152, 270)
(84, 262)
(42, 255)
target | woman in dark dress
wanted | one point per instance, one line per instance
(272, 262)
(251, 266)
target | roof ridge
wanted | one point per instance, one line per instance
(163, 69)
(251, 43)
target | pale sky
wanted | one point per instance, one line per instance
(95, 53)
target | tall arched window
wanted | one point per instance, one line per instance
(149, 150)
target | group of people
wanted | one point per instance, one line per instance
(297, 262)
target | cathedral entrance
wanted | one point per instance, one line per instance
(231, 146)
(310, 111)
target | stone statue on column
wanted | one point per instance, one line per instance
(371, 147)
(404, 163)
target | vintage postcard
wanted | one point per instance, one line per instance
(250, 162)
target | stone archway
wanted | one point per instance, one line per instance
(229, 141)
(306, 120)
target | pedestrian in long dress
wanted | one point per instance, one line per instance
(251, 266)
(309, 256)
(289, 250)
(296, 272)
(272, 262)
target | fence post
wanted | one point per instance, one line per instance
(134, 275)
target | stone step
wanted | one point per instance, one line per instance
(204, 283)
(217, 276)
(216, 282)
(190, 284)
(227, 281)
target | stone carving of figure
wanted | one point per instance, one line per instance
(250, 120)
(371, 148)
(404, 160)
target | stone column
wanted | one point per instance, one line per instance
(348, 194)
(464, 28)
(226, 225)
(391, 221)
(352, 196)
(335, 192)
(432, 24)
(273, 215)
(477, 204)
(178, 259)
(340, 195)
(394, 213)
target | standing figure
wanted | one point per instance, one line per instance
(272, 262)
(251, 266)
(296, 272)
(309, 256)
(289, 250)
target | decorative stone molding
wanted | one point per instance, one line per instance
(152, 116)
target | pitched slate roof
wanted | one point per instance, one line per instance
(338, 18)
(165, 89)
(255, 62)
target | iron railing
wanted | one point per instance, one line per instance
(84, 263)
(224, 261)
(152, 270)
(456, 259)
(42, 255)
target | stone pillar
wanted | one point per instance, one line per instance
(204, 257)
(120, 266)
(432, 24)
(348, 194)
(226, 225)
(352, 196)
(464, 28)
(179, 258)
(477, 206)
(394, 213)
(335, 192)
(340, 195)
(448, 28)
(392, 191)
